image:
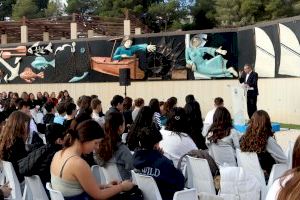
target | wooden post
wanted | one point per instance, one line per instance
(90, 33)
(73, 27)
(127, 27)
(3, 38)
(24, 31)
(138, 31)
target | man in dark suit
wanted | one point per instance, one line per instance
(249, 80)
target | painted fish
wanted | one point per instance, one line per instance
(78, 78)
(41, 63)
(28, 75)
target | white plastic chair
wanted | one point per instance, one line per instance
(236, 183)
(99, 174)
(111, 173)
(199, 175)
(34, 189)
(223, 155)
(11, 177)
(148, 186)
(289, 154)
(208, 196)
(249, 162)
(54, 194)
(277, 171)
(189, 194)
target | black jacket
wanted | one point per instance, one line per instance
(48, 118)
(251, 81)
(167, 177)
(38, 162)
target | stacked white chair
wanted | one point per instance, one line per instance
(54, 194)
(224, 155)
(11, 177)
(199, 175)
(34, 189)
(249, 162)
(99, 174)
(148, 186)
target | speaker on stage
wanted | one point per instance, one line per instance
(124, 76)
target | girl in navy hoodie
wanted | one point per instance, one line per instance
(149, 160)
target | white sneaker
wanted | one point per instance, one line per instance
(233, 72)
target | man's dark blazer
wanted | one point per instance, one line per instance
(252, 82)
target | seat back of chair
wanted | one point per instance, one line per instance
(189, 194)
(11, 177)
(148, 186)
(34, 189)
(124, 137)
(277, 171)
(99, 174)
(111, 172)
(289, 153)
(249, 162)
(224, 155)
(54, 194)
(198, 170)
(238, 184)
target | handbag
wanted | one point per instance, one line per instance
(134, 194)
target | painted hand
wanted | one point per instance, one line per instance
(124, 56)
(151, 48)
(221, 51)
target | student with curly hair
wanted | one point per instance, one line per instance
(259, 138)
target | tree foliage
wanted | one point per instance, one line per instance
(6, 8)
(25, 8)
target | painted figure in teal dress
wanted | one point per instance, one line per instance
(214, 67)
(128, 50)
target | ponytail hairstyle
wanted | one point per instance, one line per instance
(83, 131)
(108, 145)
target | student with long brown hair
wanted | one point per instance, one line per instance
(71, 175)
(259, 138)
(287, 187)
(13, 137)
(111, 149)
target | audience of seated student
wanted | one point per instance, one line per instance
(116, 104)
(259, 138)
(111, 149)
(32, 101)
(25, 96)
(60, 118)
(149, 160)
(60, 96)
(218, 102)
(127, 112)
(66, 97)
(46, 96)
(287, 186)
(138, 104)
(154, 105)
(49, 116)
(38, 161)
(97, 109)
(176, 139)
(71, 175)
(70, 114)
(13, 138)
(194, 118)
(143, 119)
(168, 106)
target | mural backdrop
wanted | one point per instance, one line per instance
(273, 50)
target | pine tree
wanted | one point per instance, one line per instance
(25, 8)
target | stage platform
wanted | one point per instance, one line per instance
(242, 128)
